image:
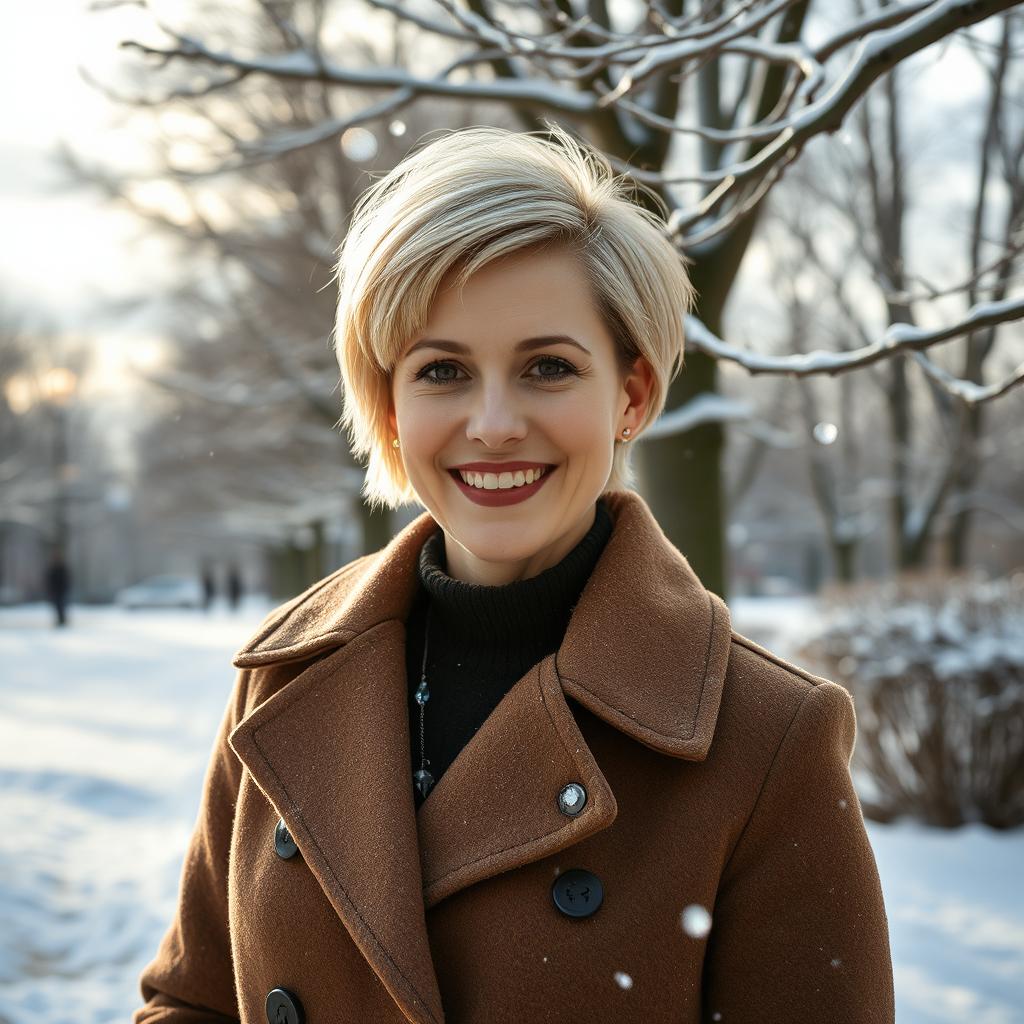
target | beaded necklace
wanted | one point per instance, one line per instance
(422, 778)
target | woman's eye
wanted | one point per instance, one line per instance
(438, 372)
(563, 368)
(425, 373)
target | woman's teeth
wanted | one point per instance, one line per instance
(502, 481)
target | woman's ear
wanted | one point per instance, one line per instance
(638, 385)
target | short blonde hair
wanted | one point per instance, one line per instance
(472, 196)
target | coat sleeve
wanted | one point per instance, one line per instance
(190, 980)
(799, 931)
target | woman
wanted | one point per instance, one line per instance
(516, 766)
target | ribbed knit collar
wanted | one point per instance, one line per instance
(535, 609)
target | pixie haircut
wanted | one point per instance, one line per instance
(472, 196)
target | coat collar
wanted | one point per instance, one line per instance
(645, 650)
(641, 587)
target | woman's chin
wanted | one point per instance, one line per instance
(497, 546)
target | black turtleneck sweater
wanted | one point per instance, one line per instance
(484, 639)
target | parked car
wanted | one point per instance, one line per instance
(162, 592)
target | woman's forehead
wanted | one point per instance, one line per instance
(524, 288)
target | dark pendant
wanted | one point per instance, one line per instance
(424, 782)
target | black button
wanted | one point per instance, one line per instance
(577, 893)
(283, 1007)
(283, 842)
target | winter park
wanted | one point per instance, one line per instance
(512, 511)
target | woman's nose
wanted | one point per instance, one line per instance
(495, 420)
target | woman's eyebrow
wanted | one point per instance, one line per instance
(526, 345)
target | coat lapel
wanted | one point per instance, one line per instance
(645, 650)
(647, 645)
(331, 751)
(495, 808)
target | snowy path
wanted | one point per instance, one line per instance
(104, 734)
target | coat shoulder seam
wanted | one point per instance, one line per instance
(770, 656)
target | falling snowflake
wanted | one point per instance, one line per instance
(696, 921)
(825, 433)
(358, 144)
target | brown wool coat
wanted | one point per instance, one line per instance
(717, 776)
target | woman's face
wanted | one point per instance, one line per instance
(516, 371)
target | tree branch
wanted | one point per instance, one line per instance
(897, 339)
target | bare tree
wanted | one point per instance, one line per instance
(934, 457)
(239, 456)
(845, 512)
(53, 466)
(737, 84)
(252, 315)
(1003, 155)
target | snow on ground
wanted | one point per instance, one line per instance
(105, 730)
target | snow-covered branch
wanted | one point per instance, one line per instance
(709, 407)
(569, 72)
(300, 66)
(705, 408)
(898, 338)
(683, 52)
(294, 139)
(967, 390)
(875, 55)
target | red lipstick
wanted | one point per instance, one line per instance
(499, 497)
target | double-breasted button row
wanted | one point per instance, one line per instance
(283, 1007)
(576, 892)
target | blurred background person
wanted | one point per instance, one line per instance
(58, 586)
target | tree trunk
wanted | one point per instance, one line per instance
(972, 427)
(845, 555)
(681, 478)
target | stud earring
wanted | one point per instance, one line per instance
(396, 443)
(626, 432)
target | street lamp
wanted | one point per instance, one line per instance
(54, 390)
(58, 385)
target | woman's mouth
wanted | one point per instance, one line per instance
(492, 489)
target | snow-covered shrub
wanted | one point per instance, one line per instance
(936, 669)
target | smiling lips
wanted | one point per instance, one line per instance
(501, 481)
(510, 487)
